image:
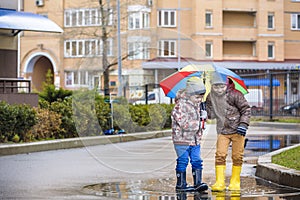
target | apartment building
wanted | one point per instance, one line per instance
(158, 37)
(13, 22)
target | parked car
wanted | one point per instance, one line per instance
(292, 108)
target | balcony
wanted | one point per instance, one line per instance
(236, 5)
(17, 91)
(237, 33)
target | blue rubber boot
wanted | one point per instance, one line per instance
(198, 185)
(181, 185)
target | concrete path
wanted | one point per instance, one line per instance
(62, 174)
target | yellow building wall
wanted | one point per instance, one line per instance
(243, 23)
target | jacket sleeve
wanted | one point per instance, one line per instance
(209, 108)
(244, 108)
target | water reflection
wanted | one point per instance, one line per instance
(163, 189)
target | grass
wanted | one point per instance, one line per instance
(289, 158)
(284, 119)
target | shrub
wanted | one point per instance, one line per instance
(103, 112)
(84, 113)
(64, 108)
(139, 118)
(25, 120)
(47, 126)
(16, 121)
(50, 93)
(7, 122)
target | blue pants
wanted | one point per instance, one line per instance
(184, 153)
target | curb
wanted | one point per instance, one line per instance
(12, 149)
(281, 125)
(276, 173)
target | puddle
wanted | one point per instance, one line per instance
(163, 189)
(260, 145)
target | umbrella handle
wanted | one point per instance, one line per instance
(202, 120)
(202, 106)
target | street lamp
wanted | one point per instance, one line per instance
(120, 86)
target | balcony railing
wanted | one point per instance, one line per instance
(14, 85)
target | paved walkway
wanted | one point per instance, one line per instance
(62, 174)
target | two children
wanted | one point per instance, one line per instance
(232, 112)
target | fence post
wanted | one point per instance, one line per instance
(271, 96)
(271, 143)
(146, 94)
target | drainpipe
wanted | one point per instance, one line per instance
(19, 46)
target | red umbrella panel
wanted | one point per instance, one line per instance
(239, 85)
(176, 81)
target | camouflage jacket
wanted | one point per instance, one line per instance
(185, 121)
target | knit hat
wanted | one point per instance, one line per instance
(195, 86)
(216, 78)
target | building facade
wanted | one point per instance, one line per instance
(158, 37)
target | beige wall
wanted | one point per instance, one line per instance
(236, 27)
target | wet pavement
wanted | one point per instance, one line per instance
(254, 188)
(132, 170)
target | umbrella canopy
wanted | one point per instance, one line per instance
(177, 80)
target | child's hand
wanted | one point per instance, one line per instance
(203, 114)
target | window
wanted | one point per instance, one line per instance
(96, 82)
(80, 18)
(90, 47)
(151, 97)
(271, 20)
(113, 83)
(109, 47)
(68, 78)
(134, 21)
(166, 18)
(167, 48)
(138, 20)
(208, 19)
(208, 49)
(295, 21)
(76, 78)
(86, 17)
(150, 3)
(138, 50)
(80, 50)
(86, 48)
(271, 50)
(146, 20)
(68, 18)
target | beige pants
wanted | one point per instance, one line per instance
(223, 143)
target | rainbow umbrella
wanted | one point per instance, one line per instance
(239, 85)
(177, 80)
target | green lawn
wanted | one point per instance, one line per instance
(289, 158)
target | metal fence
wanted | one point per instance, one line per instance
(270, 95)
(274, 94)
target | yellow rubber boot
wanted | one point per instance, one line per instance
(220, 179)
(235, 180)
